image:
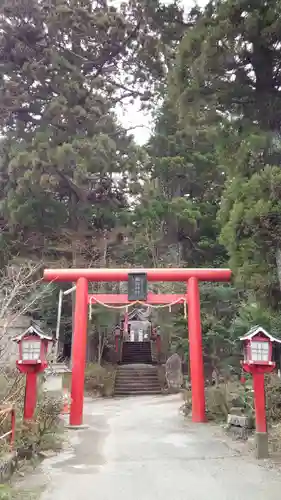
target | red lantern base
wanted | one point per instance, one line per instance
(258, 372)
(30, 398)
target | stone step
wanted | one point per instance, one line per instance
(135, 363)
(136, 343)
(136, 373)
(139, 367)
(134, 376)
(134, 380)
(144, 376)
(136, 353)
(137, 393)
(137, 376)
(137, 349)
(125, 390)
(140, 359)
(131, 354)
(151, 369)
(140, 384)
(139, 388)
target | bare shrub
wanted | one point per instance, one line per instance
(49, 424)
(221, 399)
(273, 398)
(21, 293)
(45, 431)
(12, 390)
(99, 379)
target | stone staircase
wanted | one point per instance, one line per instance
(137, 379)
(136, 352)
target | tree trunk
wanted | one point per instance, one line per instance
(278, 264)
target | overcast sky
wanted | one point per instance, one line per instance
(130, 115)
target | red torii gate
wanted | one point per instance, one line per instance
(83, 276)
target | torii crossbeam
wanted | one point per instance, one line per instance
(190, 276)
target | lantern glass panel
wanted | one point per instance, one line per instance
(31, 350)
(260, 351)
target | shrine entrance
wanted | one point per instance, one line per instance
(138, 327)
(138, 294)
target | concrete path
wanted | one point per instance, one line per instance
(143, 449)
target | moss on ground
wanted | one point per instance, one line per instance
(9, 492)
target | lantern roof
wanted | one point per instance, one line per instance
(257, 330)
(35, 330)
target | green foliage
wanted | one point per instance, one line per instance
(250, 229)
(204, 191)
(100, 379)
(249, 314)
(67, 161)
(48, 310)
(180, 198)
(228, 62)
(219, 81)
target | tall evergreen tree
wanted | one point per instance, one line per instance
(228, 79)
(184, 191)
(65, 66)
